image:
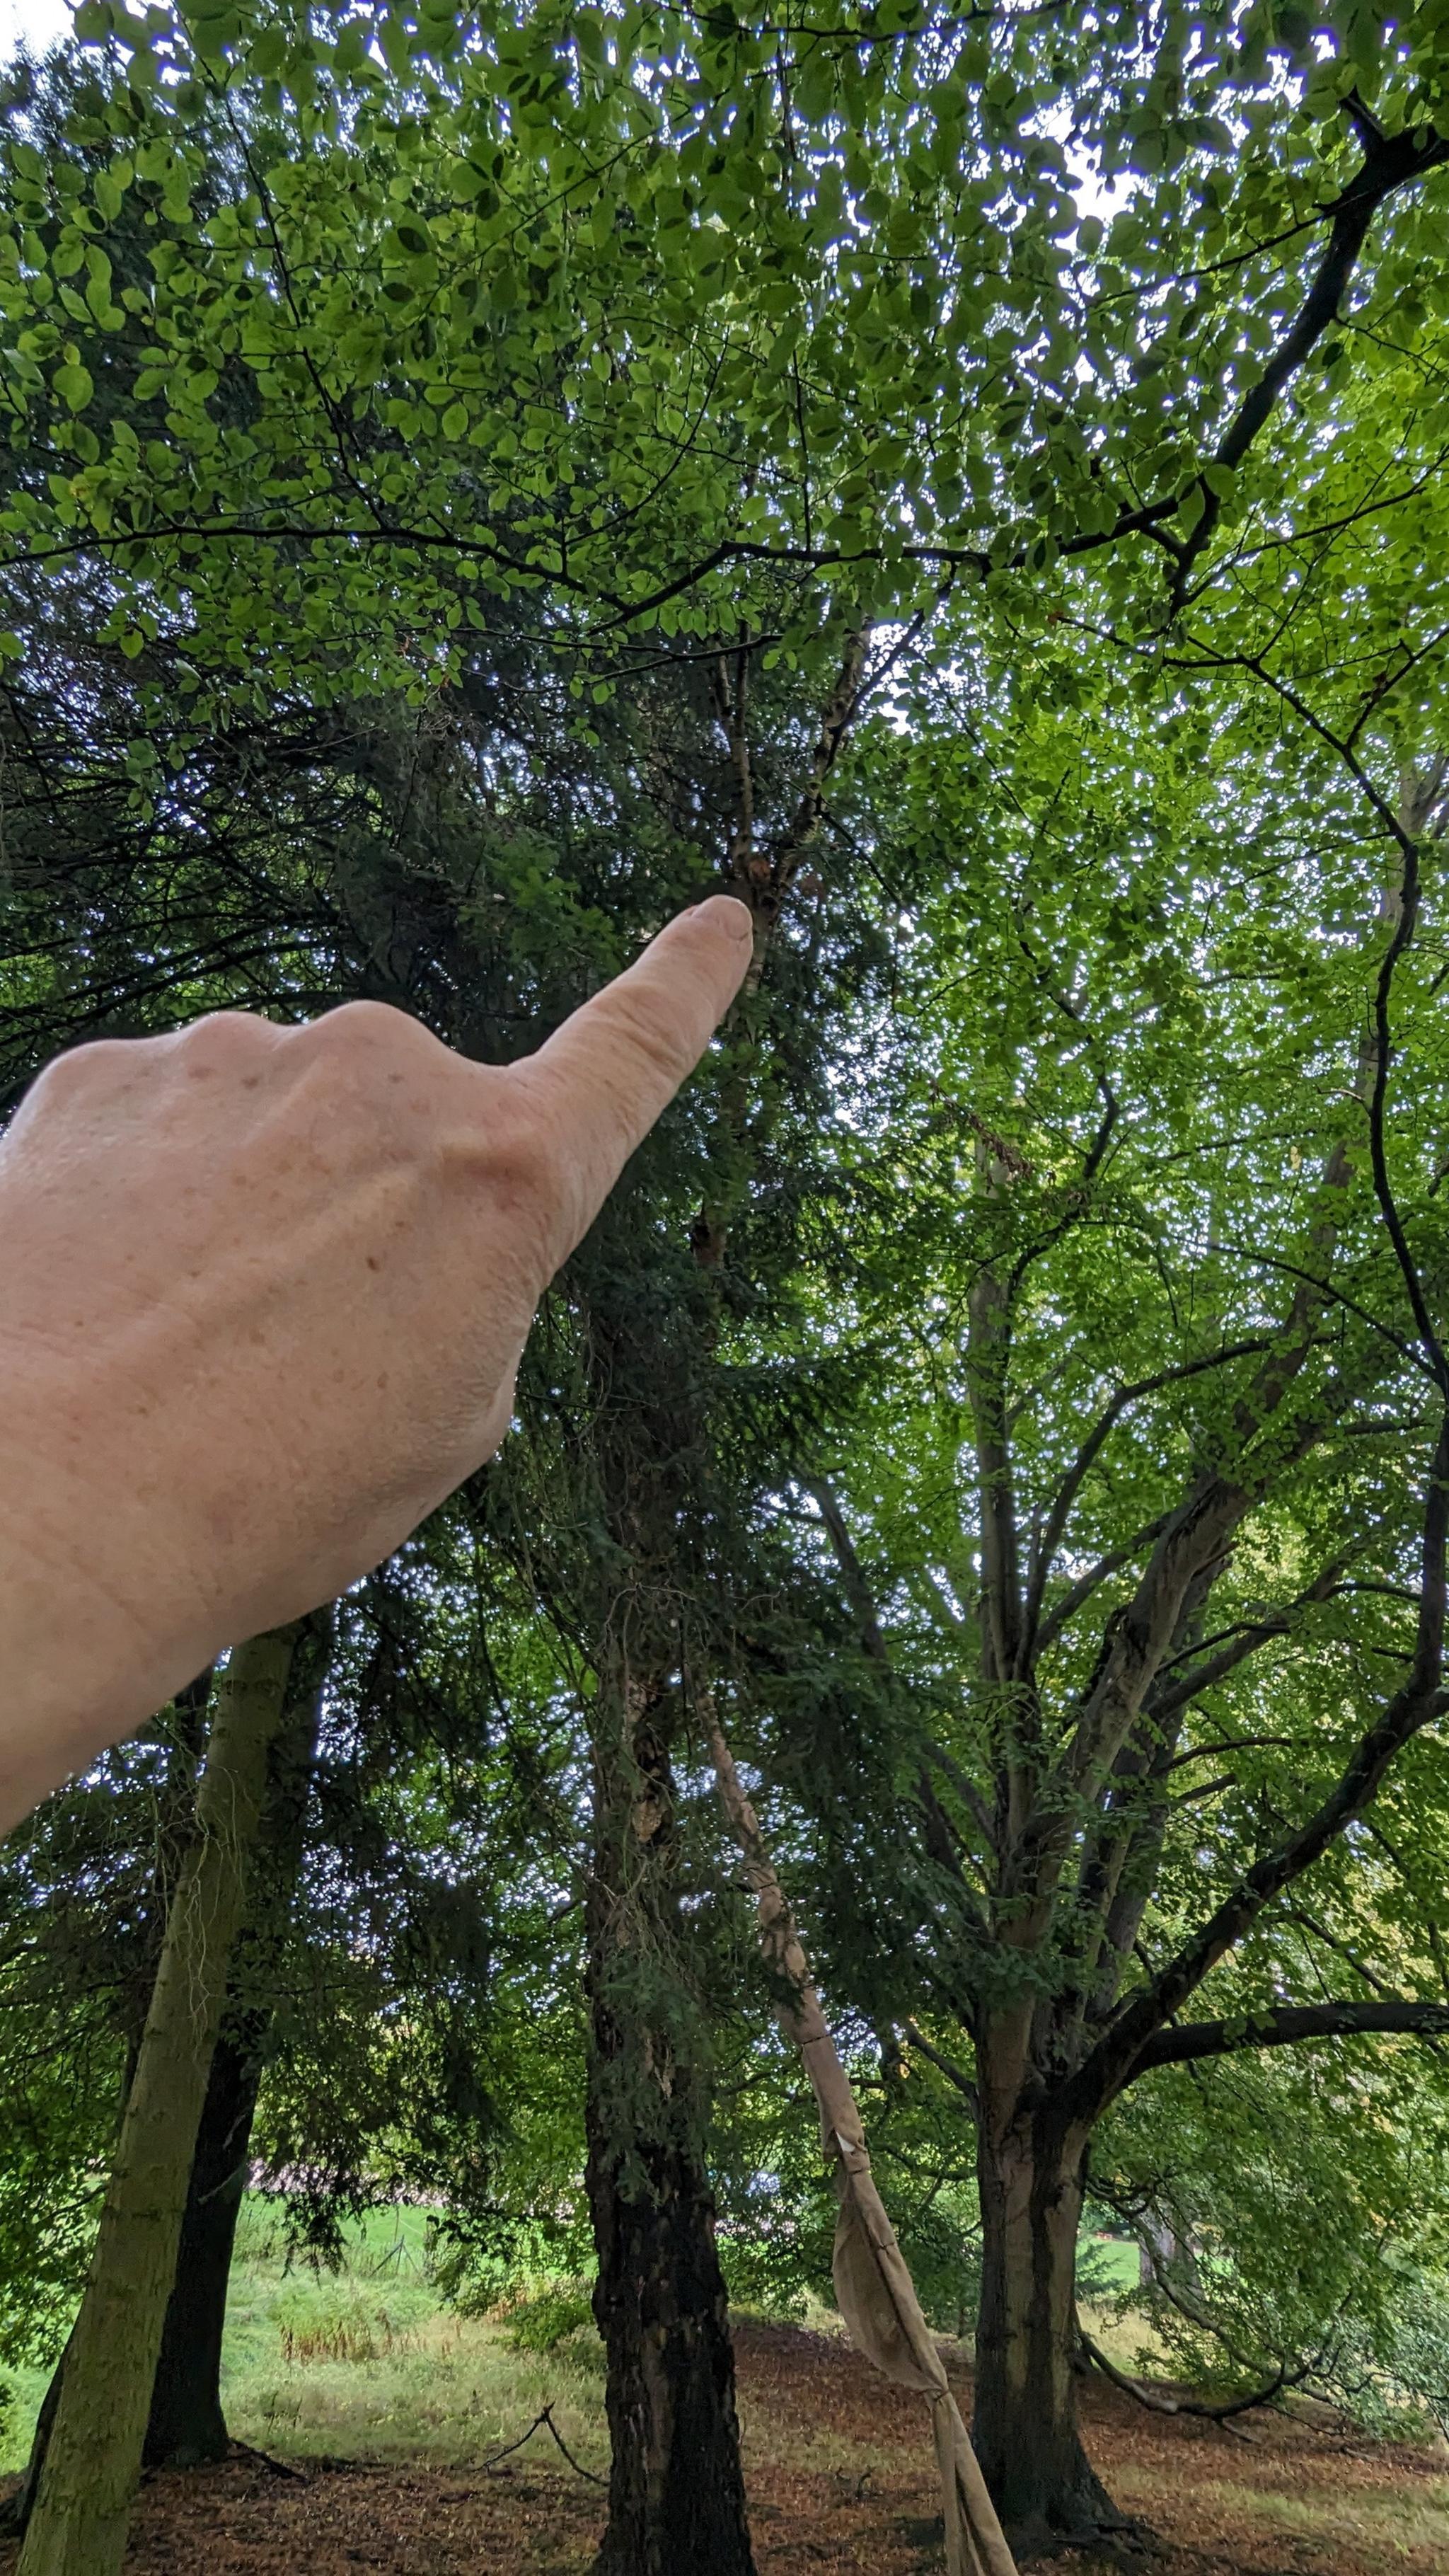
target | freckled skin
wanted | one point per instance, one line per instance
(220, 1404)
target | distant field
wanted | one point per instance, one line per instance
(367, 2361)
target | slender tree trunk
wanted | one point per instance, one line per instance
(187, 2426)
(676, 2491)
(1025, 2426)
(93, 2459)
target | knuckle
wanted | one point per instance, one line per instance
(513, 1153)
(225, 1038)
(364, 1024)
(83, 1076)
(639, 1026)
(375, 1042)
(81, 1065)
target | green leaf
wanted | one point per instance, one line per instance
(74, 385)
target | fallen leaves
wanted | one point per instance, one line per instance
(841, 2482)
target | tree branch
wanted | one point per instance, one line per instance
(1390, 162)
(1086, 1584)
(1420, 1700)
(1091, 1447)
(1279, 1623)
(953, 2074)
(857, 1590)
(1289, 2024)
(1158, 2403)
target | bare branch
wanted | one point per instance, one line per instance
(1091, 1448)
(1415, 1705)
(857, 1590)
(1390, 162)
(1158, 2401)
(1086, 1584)
(1279, 1623)
(1287, 2026)
(953, 2074)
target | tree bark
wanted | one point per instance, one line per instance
(187, 2426)
(676, 2489)
(676, 2493)
(93, 2459)
(1025, 2427)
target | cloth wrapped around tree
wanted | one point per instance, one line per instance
(873, 2285)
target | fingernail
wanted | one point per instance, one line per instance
(733, 915)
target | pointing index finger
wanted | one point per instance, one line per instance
(603, 1078)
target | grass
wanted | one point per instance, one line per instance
(1396, 2524)
(368, 2362)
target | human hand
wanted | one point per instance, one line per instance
(263, 1293)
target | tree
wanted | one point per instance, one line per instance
(681, 327)
(186, 2426)
(1291, 2200)
(93, 2456)
(440, 955)
(784, 335)
(1177, 1420)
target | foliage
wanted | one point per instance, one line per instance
(975, 487)
(1305, 2221)
(547, 2315)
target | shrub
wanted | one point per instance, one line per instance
(546, 2316)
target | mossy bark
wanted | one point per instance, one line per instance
(187, 2427)
(93, 2459)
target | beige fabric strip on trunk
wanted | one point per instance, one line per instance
(872, 2284)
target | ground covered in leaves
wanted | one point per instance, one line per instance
(840, 2479)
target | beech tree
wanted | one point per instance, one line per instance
(1145, 1509)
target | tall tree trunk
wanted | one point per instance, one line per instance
(93, 2458)
(676, 2491)
(1025, 2425)
(186, 2425)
